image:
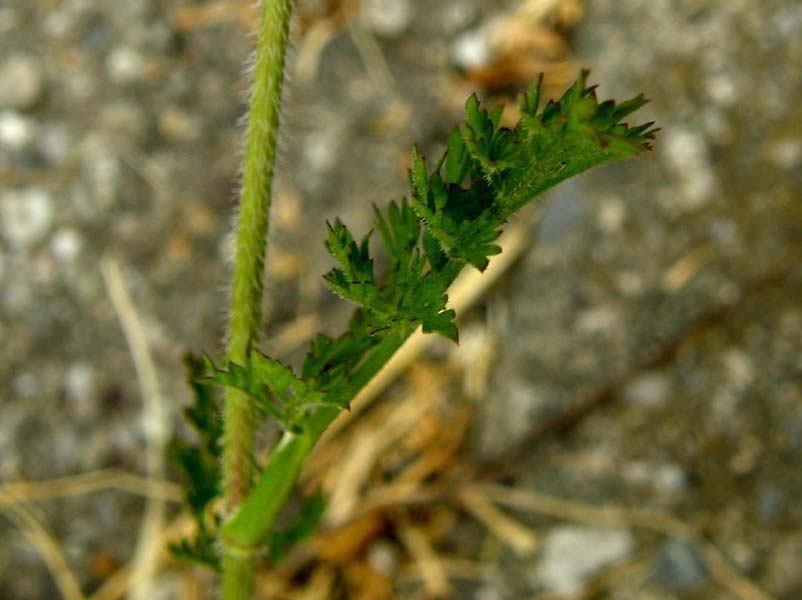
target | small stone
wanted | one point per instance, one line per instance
(16, 131)
(22, 82)
(383, 557)
(786, 153)
(612, 213)
(679, 568)
(598, 320)
(648, 390)
(670, 478)
(387, 18)
(25, 385)
(79, 382)
(771, 502)
(572, 554)
(689, 157)
(740, 370)
(125, 65)
(27, 216)
(54, 143)
(66, 245)
(457, 16)
(722, 89)
(630, 283)
(321, 149)
(471, 50)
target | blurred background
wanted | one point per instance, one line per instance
(623, 416)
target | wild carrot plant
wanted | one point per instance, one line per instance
(451, 221)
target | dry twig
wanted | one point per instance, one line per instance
(47, 547)
(155, 422)
(87, 483)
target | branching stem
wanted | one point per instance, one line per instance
(247, 288)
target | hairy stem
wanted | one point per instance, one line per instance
(247, 288)
(255, 519)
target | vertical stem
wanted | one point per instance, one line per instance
(247, 288)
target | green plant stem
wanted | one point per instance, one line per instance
(247, 288)
(253, 522)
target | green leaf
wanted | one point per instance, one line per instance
(203, 414)
(434, 252)
(272, 385)
(529, 101)
(198, 463)
(569, 136)
(418, 177)
(198, 550)
(457, 160)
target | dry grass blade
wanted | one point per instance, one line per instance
(428, 563)
(125, 578)
(47, 547)
(514, 534)
(155, 422)
(87, 483)
(364, 450)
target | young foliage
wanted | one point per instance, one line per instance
(270, 384)
(453, 218)
(455, 214)
(199, 466)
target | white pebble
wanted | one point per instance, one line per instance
(16, 131)
(648, 390)
(125, 65)
(670, 478)
(472, 50)
(66, 245)
(27, 216)
(572, 554)
(689, 156)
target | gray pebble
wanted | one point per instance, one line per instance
(54, 143)
(688, 155)
(382, 556)
(457, 16)
(771, 502)
(125, 65)
(648, 390)
(387, 18)
(573, 554)
(22, 82)
(27, 216)
(679, 568)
